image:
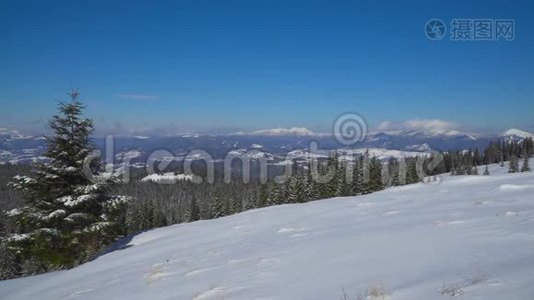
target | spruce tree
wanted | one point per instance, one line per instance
(217, 207)
(329, 188)
(525, 167)
(311, 187)
(263, 195)
(9, 267)
(411, 171)
(340, 181)
(301, 184)
(69, 214)
(236, 205)
(251, 200)
(277, 193)
(375, 176)
(513, 164)
(292, 189)
(474, 170)
(393, 168)
(193, 213)
(357, 178)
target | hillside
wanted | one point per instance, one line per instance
(470, 234)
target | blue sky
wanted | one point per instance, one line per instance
(224, 66)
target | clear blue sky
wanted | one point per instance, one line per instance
(222, 66)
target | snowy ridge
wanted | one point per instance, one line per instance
(299, 131)
(384, 154)
(251, 154)
(344, 154)
(517, 133)
(472, 233)
(10, 133)
(428, 133)
(418, 147)
(166, 177)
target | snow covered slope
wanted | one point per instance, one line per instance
(468, 233)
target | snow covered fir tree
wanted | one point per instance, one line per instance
(68, 213)
(525, 167)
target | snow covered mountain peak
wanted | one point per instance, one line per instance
(517, 133)
(299, 131)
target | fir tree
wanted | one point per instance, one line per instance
(236, 205)
(411, 171)
(525, 167)
(250, 201)
(375, 175)
(310, 192)
(340, 181)
(292, 189)
(330, 188)
(474, 170)
(513, 164)
(217, 206)
(277, 193)
(357, 178)
(194, 210)
(68, 214)
(9, 267)
(263, 195)
(393, 168)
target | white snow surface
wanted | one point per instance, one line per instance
(131, 154)
(169, 177)
(470, 232)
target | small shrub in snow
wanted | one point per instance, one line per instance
(478, 277)
(452, 290)
(377, 292)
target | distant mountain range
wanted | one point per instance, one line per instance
(273, 143)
